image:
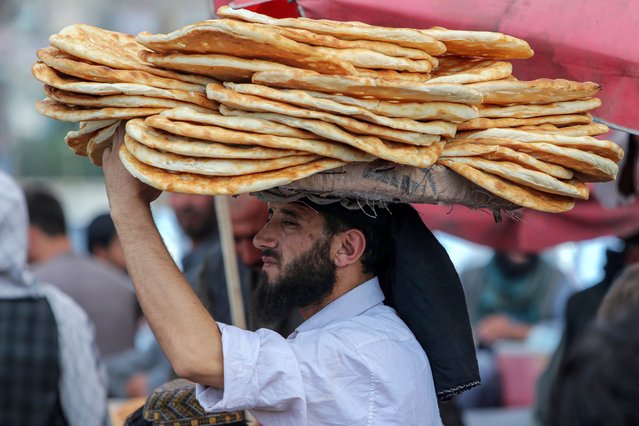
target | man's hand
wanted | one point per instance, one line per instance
(123, 189)
(496, 327)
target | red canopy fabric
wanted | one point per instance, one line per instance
(532, 231)
(582, 41)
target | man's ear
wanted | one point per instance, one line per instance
(35, 236)
(349, 247)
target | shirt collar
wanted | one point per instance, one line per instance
(350, 304)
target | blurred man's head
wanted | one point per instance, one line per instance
(103, 241)
(248, 216)
(47, 225)
(515, 264)
(195, 214)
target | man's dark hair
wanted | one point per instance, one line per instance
(378, 252)
(45, 211)
(100, 232)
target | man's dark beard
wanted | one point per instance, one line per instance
(307, 280)
(198, 230)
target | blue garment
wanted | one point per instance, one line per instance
(353, 363)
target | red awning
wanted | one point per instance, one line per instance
(533, 231)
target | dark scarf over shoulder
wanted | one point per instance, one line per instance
(421, 283)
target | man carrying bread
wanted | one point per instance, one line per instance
(355, 360)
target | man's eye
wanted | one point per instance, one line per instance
(289, 223)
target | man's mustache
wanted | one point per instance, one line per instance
(271, 253)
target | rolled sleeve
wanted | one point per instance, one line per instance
(261, 374)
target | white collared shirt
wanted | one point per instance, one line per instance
(353, 363)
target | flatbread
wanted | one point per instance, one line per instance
(592, 129)
(220, 67)
(484, 44)
(526, 177)
(77, 140)
(481, 71)
(49, 76)
(489, 123)
(63, 112)
(376, 88)
(597, 168)
(344, 30)
(119, 101)
(447, 111)
(100, 141)
(222, 135)
(70, 65)
(528, 111)
(243, 124)
(503, 153)
(111, 48)
(246, 40)
(191, 183)
(254, 103)
(182, 145)
(210, 166)
(604, 148)
(390, 49)
(418, 156)
(541, 91)
(520, 195)
(414, 77)
(365, 58)
(303, 99)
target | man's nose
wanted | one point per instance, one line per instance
(264, 238)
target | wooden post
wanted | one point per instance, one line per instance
(234, 289)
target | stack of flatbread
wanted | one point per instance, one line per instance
(95, 77)
(280, 99)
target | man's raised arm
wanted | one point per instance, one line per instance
(185, 330)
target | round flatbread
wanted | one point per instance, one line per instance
(222, 135)
(63, 112)
(503, 153)
(517, 194)
(192, 183)
(526, 177)
(114, 49)
(190, 147)
(303, 99)
(70, 65)
(246, 40)
(210, 166)
(241, 101)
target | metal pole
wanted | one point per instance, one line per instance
(225, 229)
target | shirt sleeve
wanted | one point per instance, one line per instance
(261, 374)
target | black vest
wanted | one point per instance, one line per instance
(29, 364)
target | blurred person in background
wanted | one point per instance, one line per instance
(596, 382)
(514, 297)
(196, 216)
(581, 311)
(138, 370)
(50, 373)
(102, 291)
(103, 242)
